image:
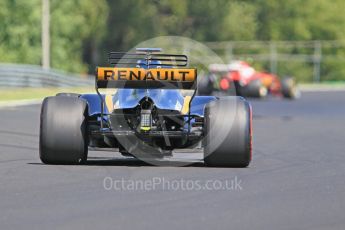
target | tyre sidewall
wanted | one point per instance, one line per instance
(228, 140)
(63, 130)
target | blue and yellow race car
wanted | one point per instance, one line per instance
(147, 116)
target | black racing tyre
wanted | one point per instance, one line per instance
(239, 89)
(255, 88)
(68, 94)
(63, 130)
(228, 133)
(289, 88)
(205, 85)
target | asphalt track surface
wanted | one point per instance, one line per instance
(296, 179)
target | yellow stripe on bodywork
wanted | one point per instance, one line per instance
(109, 102)
(185, 108)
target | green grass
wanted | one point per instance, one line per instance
(37, 93)
(329, 84)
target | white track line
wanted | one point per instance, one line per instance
(321, 87)
(16, 103)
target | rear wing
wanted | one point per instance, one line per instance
(146, 69)
(168, 78)
(148, 58)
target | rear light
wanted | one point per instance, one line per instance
(224, 84)
(145, 120)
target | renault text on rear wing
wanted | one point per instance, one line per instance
(169, 78)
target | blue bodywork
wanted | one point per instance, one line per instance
(162, 98)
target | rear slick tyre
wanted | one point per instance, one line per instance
(63, 130)
(228, 133)
(256, 89)
(289, 88)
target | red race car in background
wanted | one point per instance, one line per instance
(247, 81)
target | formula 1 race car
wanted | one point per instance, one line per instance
(247, 81)
(147, 116)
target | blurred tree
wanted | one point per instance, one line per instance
(240, 22)
(171, 17)
(73, 24)
(307, 20)
(129, 22)
(135, 21)
(20, 31)
(83, 31)
(296, 20)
